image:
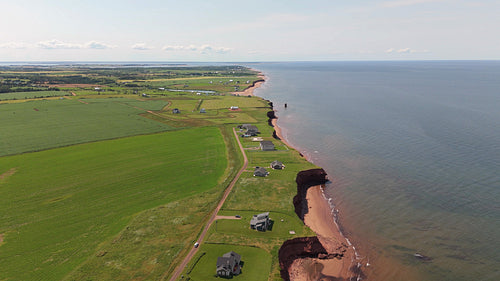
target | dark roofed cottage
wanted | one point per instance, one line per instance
(267, 145)
(229, 265)
(251, 130)
(260, 172)
(277, 165)
(260, 222)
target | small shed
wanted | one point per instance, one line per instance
(267, 145)
(260, 222)
(229, 265)
(234, 108)
(277, 165)
(203, 110)
(260, 172)
(176, 111)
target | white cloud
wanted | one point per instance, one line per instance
(58, 44)
(13, 45)
(180, 48)
(97, 45)
(141, 47)
(406, 51)
(203, 49)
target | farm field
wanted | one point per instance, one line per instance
(58, 205)
(32, 95)
(42, 124)
(110, 184)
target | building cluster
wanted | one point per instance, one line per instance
(230, 263)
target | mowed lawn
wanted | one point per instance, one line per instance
(42, 124)
(256, 263)
(57, 206)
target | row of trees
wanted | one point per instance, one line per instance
(9, 89)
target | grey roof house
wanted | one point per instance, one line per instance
(251, 130)
(267, 145)
(277, 165)
(260, 172)
(229, 265)
(260, 222)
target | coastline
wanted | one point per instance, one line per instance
(321, 220)
(249, 91)
(340, 262)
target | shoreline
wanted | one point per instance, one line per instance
(321, 219)
(249, 91)
(329, 234)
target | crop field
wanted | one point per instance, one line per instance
(43, 124)
(110, 184)
(57, 206)
(31, 95)
(217, 84)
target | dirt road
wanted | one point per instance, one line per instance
(194, 250)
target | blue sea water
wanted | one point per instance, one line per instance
(413, 153)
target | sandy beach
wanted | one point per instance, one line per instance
(320, 219)
(249, 91)
(279, 133)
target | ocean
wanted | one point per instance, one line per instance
(412, 150)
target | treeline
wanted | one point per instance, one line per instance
(70, 79)
(8, 89)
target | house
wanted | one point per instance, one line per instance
(260, 172)
(251, 130)
(229, 265)
(267, 145)
(260, 222)
(234, 108)
(277, 165)
(203, 110)
(176, 111)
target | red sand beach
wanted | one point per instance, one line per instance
(320, 219)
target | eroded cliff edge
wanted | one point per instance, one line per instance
(306, 247)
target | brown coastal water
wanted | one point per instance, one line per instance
(413, 151)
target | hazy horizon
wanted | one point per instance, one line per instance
(229, 31)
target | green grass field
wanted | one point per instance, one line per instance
(111, 185)
(57, 206)
(31, 95)
(257, 262)
(42, 124)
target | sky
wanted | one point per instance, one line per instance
(244, 31)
